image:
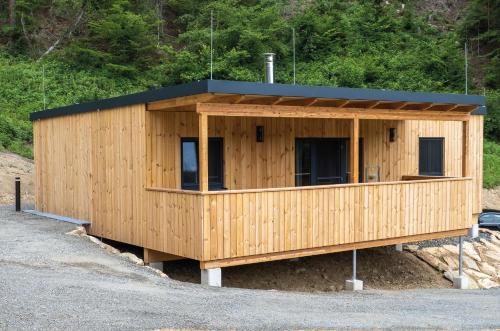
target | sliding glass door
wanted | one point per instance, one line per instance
(321, 161)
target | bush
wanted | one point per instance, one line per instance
(492, 119)
(491, 174)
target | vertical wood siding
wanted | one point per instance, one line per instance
(91, 166)
(270, 164)
(97, 166)
(250, 223)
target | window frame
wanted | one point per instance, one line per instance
(313, 181)
(211, 185)
(420, 162)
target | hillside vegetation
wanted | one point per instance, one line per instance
(55, 53)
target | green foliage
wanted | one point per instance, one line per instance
(125, 46)
(63, 86)
(492, 120)
(117, 39)
(491, 175)
(481, 25)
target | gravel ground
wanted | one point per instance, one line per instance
(49, 280)
(450, 241)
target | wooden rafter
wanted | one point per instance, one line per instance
(245, 110)
(179, 102)
(188, 103)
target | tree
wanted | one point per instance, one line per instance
(12, 13)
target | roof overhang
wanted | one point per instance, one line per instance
(232, 92)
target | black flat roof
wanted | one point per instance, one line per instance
(286, 90)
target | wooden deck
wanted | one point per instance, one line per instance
(245, 223)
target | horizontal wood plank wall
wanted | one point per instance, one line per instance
(251, 223)
(91, 166)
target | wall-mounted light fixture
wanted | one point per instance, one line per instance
(260, 133)
(392, 135)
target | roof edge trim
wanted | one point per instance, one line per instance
(236, 87)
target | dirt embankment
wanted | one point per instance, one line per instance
(12, 166)
(379, 268)
(491, 198)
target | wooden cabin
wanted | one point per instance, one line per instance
(231, 173)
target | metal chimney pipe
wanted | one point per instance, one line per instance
(269, 68)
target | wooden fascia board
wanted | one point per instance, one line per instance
(245, 110)
(179, 102)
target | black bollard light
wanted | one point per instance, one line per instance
(18, 194)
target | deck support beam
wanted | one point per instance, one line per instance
(151, 256)
(461, 282)
(354, 284)
(354, 151)
(211, 277)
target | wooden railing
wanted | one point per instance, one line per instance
(251, 222)
(422, 177)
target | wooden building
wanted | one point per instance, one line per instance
(231, 173)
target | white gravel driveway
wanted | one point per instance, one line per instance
(53, 281)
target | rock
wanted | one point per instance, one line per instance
(452, 249)
(488, 269)
(432, 250)
(96, 241)
(487, 283)
(450, 274)
(490, 246)
(79, 231)
(132, 258)
(104, 246)
(158, 272)
(495, 240)
(451, 261)
(432, 260)
(475, 274)
(471, 252)
(470, 263)
(473, 284)
(411, 248)
(110, 249)
(492, 232)
(493, 256)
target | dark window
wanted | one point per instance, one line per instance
(361, 159)
(303, 163)
(190, 162)
(431, 151)
(320, 161)
(189, 151)
(215, 164)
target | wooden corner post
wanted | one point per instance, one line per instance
(203, 150)
(354, 151)
(465, 148)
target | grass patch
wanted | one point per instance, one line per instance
(491, 166)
